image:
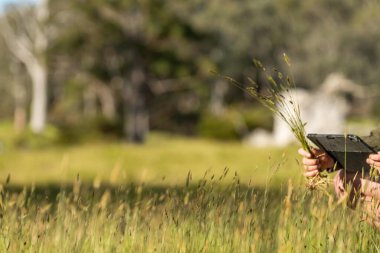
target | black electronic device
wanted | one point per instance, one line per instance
(350, 151)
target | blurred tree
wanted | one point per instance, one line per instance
(136, 50)
(146, 64)
(7, 108)
(23, 29)
(96, 35)
(19, 92)
(333, 36)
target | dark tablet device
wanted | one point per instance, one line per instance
(349, 151)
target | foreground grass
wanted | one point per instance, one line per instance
(171, 195)
(199, 216)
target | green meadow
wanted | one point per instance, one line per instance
(163, 160)
(173, 194)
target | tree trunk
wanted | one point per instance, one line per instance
(38, 108)
(27, 40)
(19, 120)
(19, 97)
(218, 92)
(136, 119)
(89, 103)
(107, 101)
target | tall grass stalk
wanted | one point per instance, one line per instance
(200, 216)
(278, 98)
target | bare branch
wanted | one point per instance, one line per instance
(131, 24)
(19, 45)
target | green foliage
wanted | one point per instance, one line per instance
(222, 127)
(257, 117)
(29, 140)
(376, 109)
(234, 122)
(176, 44)
(88, 130)
(71, 94)
(60, 134)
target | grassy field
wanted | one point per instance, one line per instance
(200, 216)
(163, 160)
(171, 195)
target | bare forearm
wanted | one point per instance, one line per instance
(348, 185)
(357, 184)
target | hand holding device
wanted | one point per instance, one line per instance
(349, 151)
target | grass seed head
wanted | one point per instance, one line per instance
(281, 102)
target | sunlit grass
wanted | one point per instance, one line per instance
(163, 159)
(200, 216)
(107, 196)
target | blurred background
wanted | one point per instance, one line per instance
(124, 90)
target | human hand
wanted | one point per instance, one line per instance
(374, 160)
(316, 162)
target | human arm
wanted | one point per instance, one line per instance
(319, 161)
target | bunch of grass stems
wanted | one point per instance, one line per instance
(278, 98)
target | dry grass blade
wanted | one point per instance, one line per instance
(278, 98)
